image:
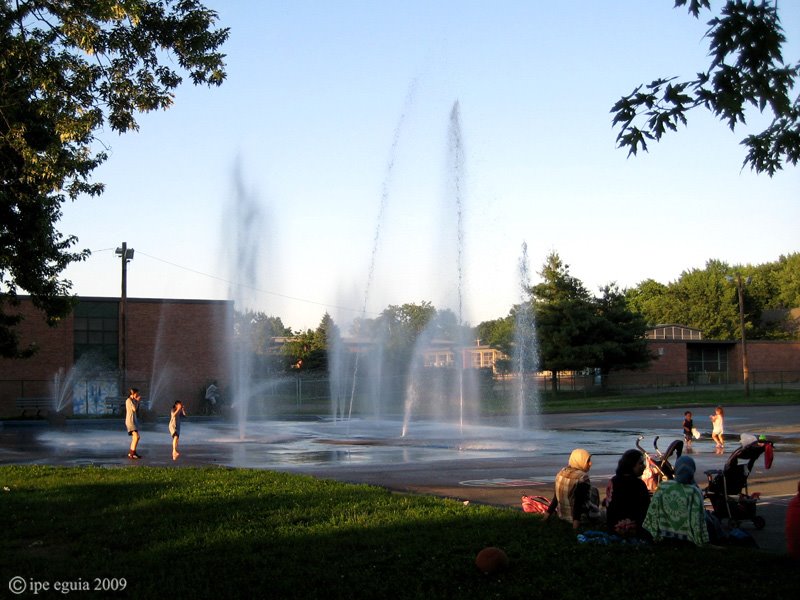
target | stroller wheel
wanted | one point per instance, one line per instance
(759, 522)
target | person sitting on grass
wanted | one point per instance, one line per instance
(575, 499)
(676, 514)
(627, 496)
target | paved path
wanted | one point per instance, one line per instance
(502, 481)
(490, 465)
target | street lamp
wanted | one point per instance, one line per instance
(737, 279)
(126, 254)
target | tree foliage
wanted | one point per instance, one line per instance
(564, 319)
(747, 69)
(308, 350)
(67, 71)
(262, 329)
(498, 333)
(576, 331)
(400, 326)
(620, 334)
(706, 300)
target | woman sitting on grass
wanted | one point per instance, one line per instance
(627, 496)
(676, 514)
(575, 499)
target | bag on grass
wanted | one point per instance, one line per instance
(535, 504)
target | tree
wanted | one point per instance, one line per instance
(565, 320)
(786, 278)
(262, 329)
(775, 287)
(498, 333)
(705, 300)
(651, 299)
(402, 325)
(309, 349)
(620, 334)
(328, 335)
(67, 70)
(747, 70)
(576, 331)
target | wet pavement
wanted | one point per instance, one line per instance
(486, 464)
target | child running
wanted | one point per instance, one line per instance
(717, 427)
(175, 426)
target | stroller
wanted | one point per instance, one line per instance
(659, 468)
(727, 489)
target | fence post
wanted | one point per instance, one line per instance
(299, 388)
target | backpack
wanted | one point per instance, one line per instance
(535, 504)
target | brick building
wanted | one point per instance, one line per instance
(683, 357)
(174, 349)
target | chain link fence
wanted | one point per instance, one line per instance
(305, 394)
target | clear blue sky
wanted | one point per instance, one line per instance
(310, 119)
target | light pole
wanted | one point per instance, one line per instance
(126, 254)
(737, 279)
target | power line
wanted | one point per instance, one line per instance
(244, 285)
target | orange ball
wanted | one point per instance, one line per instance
(491, 560)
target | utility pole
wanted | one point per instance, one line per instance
(126, 254)
(740, 289)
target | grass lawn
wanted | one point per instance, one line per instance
(230, 533)
(581, 402)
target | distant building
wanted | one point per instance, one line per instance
(174, 349)
(673, 332)
(446, 354)
(682, 357)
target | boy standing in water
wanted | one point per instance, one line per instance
(175, 426)
(688, 426)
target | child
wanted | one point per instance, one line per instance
(688, 426)
(175, 426)
(717, 428)
(132, 421)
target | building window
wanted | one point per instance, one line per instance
(96, 331)
(707, 359)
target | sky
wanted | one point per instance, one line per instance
(332, 135)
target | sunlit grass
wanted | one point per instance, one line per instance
(577, 401)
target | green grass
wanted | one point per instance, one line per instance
(579, 402)
(500, 403)
(222, 533)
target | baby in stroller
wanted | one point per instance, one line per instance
(727, 488)
(659, 469)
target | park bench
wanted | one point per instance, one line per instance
(37, 403)
(114, 404)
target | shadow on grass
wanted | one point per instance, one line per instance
(228, 533)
